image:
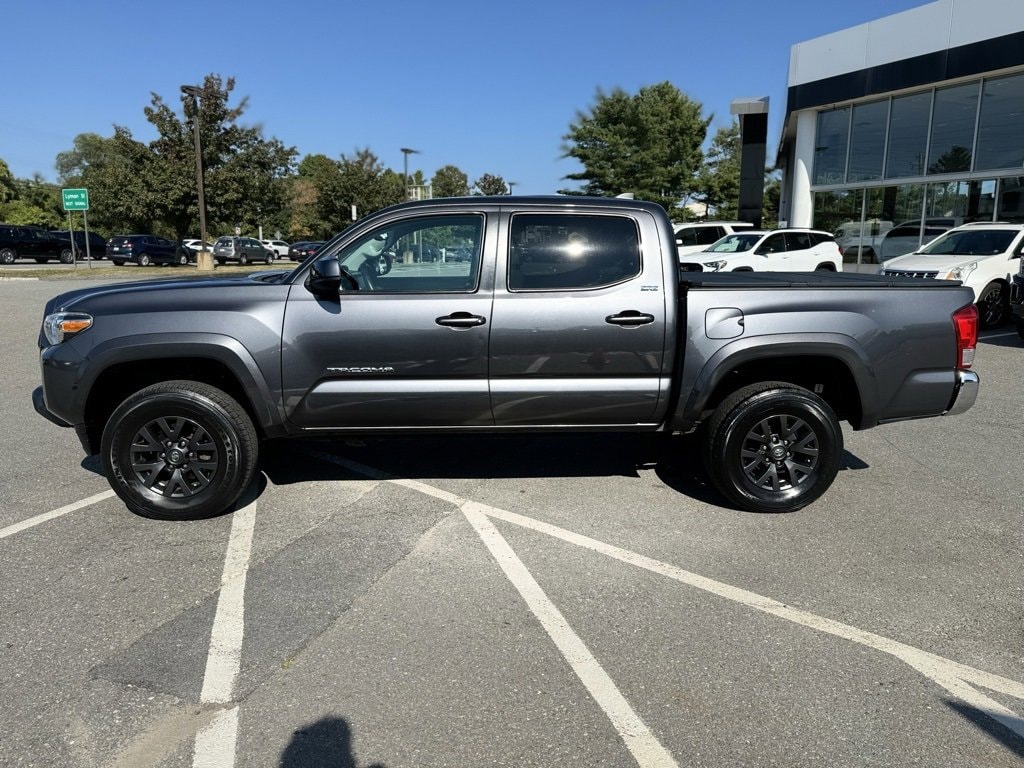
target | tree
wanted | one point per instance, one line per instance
(140, 187)
(489, 184)
(449, 181)
(115, 170)
(648, 144)
(8, 187)
(718, 184)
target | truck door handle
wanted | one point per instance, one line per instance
(461, 320)
(630, 318)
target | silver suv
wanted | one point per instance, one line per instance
(241, 249)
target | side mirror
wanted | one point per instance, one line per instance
(325, 278)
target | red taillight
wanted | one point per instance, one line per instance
(965, 321)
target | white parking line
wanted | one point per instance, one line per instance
(10, 530)
(646, 749)
(952, 676)
(215, 743)
(997, 336)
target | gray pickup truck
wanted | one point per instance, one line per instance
(530, 314)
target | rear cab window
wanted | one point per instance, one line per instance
(571, 251)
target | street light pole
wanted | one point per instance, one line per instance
(195, 92)
(510, 185)
(406, 152)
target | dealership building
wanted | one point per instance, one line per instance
(916, 119)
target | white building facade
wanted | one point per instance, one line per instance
(915, 117)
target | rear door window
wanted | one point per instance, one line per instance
(798, 241)
(571, 252)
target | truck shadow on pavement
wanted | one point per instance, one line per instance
(676, 461)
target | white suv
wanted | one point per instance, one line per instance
(694, 236)
(280, 247)
(983, 256)
(778, 250)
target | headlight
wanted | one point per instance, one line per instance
(61, 326)
(716, 266)
(961, 272)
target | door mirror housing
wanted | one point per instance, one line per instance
(325, 278)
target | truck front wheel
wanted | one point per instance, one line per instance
(179, 450)
(773, 447)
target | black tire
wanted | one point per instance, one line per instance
(67, 256)
(39, 260)
(993, 305)
(117, 263)
(7, 255)
(773, 447)
(243, 259)
(144, 260)
(179, 450)
(269, 258)
(183, 259)
(825, 268)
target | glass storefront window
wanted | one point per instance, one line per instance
(953, 119)
(867, 140)
(830, 146)
(908, 135)
(839, 213)
(1011, 200)
(958, 202)
(1001, 129)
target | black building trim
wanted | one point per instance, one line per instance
(963, 61)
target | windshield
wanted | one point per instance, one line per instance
(735, 243)
(971, 242)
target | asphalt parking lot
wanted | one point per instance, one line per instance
(556, 601)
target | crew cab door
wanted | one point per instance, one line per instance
(404, 345)
(579, 328)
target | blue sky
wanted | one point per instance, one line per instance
(488, 86)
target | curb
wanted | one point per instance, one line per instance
(10, 279)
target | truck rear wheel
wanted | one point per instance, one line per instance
(179, 450)
(773, 447)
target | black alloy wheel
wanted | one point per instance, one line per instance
(773, 447)
(993, 306)
(179, 450)
(7, 256)
(67, 256)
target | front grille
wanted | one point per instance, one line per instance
(907, 273)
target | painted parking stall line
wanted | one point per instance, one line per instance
(216, 742)
(24, 525)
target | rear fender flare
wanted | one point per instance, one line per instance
(746, 350)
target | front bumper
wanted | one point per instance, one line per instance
(39, 403)
(965, 393)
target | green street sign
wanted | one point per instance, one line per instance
(75, 199)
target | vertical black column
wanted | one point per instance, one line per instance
(753, 138)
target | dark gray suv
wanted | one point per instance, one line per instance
(241, 249)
